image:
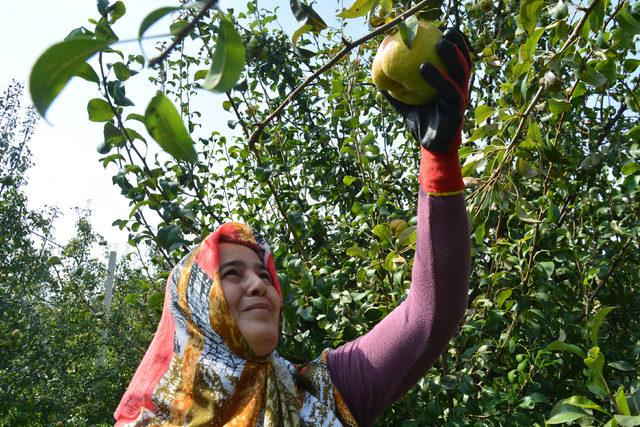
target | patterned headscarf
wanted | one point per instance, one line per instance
(199, 370)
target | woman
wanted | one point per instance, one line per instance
(212, 361)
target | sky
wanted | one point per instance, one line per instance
(66, 172)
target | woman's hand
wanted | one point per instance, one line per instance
(437, 124)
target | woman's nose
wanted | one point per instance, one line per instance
(257, 286)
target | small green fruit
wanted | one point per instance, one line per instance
(486, 5)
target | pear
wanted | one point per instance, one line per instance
(396, 67)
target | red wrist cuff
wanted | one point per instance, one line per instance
(440, 173)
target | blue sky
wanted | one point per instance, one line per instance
(66, 171)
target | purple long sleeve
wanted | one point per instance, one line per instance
(374, 370)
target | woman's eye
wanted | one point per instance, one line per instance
(266, 276)
(231, 273)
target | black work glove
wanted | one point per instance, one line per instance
(437, 125)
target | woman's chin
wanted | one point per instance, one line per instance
(262, 338)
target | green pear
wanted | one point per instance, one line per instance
(396, 67)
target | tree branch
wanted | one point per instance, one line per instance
(272, 188)
(349, 46)
(576, 31)
(182, 34)
(512, 145)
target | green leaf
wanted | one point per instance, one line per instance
(621, 365)
(548, 267)
(122, 71)
(348, 180)
(580, 90)
(99, 110)
(103, 148)
(596, 382)
(563, 346)
(503, 295)
(408, 30)
(408, 236)
(383, 232)
(627, 421)
(176, 27)
(630, 65)
(524, 216)
(627, 22)
(532, 42)
(592, 77)
(113, 136)
(357, 252)
(609, 69)
(168, 236)
(165, 125)
(155, 301)
(117, 91)
(154, 17)
(595, 323)
(634, 402)
(529, 402)
(596, 17)
(111, 158)
(482, 113)
(86, 72)
(529, 14)
(560, 10)
(566, 417)
(357, 9)
(104, 31)
(300, 31)
(228, 58)
(634, 133)
(132, 298)
(200, 74)
(306, 15)
(263, 173)
(583, 402)
(136, 117)
(117, 11)
(534, 133)
(55, 67)
(54, 260)
(621, 402)
(630, 168)
(558, 106)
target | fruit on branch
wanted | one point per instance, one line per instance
(396, 67)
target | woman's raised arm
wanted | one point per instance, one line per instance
(374, 370)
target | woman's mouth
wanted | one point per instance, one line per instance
(259, 306)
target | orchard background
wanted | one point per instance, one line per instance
(320, 164)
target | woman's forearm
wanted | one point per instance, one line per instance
(374, 370)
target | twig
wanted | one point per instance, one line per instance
(512, 145)
(606, 130)
(349, 46)
(612, 268)
(182, 34)
(274, 191)
(576, 31)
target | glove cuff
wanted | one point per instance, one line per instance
(440, 173)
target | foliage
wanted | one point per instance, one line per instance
(551, 159)
(51, 299)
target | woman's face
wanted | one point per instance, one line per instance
(251, 297)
